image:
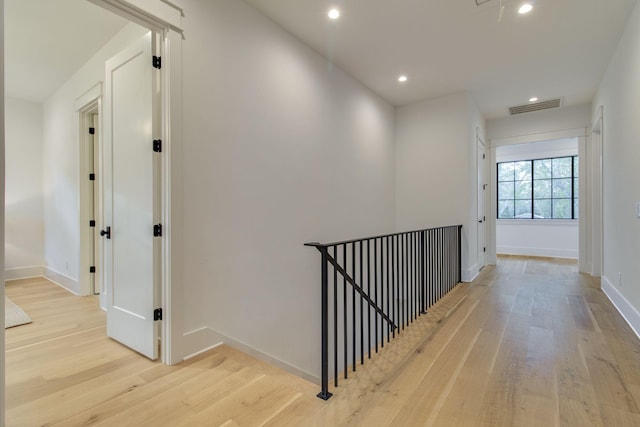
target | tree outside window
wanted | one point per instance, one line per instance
(538, 189)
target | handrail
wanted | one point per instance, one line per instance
(316, 244)
(405, 273)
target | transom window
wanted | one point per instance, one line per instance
(538, 189)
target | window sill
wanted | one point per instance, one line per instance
(539, 222)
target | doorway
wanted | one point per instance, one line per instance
(481, 199)
(90, 196)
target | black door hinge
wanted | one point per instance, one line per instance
(92, 269)
(157, 62)
(92, 223)
(157, 145)
(483, 156)
(157, 314)
(92, 131)
(157, 230)
(484, 249)
(92, 177)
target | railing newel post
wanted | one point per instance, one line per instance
(324, 393)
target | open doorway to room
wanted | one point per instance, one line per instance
(538, 187)
(53, 104)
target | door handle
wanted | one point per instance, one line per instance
(480, 221)
(106, 232)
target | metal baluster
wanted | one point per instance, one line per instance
(375, 290)
(394, 273)
(344, 311)
(369, 295)
(335, 319)
(388, 296)
(353, 301)
(361, 305)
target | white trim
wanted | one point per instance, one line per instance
(539, 222)
(199, 341)
(89, 96)
(470, 274)
(172, 244)
(540, 136)
(539, 252)
(157, 15)
(27, 272)
(624, 307)
(595, 232)
(62, 280)
(204, 339)
(93, 106)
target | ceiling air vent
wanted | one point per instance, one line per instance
(535, 106)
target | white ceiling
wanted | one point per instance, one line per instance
(560, 49)
(46, 41)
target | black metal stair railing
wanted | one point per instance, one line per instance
(380, 285)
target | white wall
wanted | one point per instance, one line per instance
(24, 225)
(436, 169)
(551, 238)
(280, 148)
(618, 94)
(61, 162)
(539, 123)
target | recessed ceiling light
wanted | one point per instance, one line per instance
(525, 8)
(402, 79)
(534, 99)
(334, 14)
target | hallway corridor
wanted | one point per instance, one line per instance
(529, 343)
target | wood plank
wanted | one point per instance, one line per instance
(529, 342)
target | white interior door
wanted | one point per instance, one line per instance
(482, 218)
(130, 277)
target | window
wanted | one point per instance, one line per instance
(541, 188)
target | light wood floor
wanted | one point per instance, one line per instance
(530, 343)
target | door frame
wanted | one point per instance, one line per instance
(481, 195)
(590, 184)
(86, 105)
(595, 233)
(164, 19)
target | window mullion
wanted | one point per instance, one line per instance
(533, 177)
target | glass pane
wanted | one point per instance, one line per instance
(523, 190)
(576, 187)
(562, 209)
(542, 189)
(542, 169)
(523, 171)
(505, 209)
(576, 209)
(523, 208)
(562, 188)
(562, 167)
(505, 190)
(506, 171)
(542, 208)
(575, 166)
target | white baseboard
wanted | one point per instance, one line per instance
(203, 339)
(540, 252)
(64, 281)
(624, 307)
(23, 272)
(469, 274)
(198, 341)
